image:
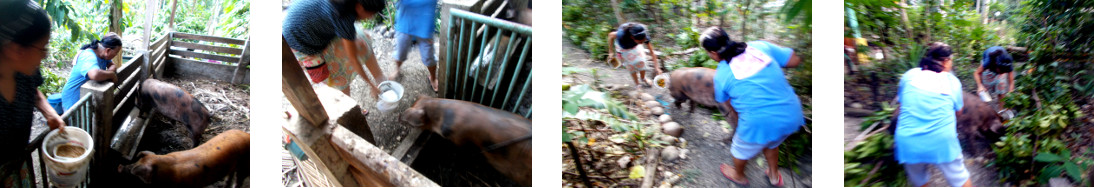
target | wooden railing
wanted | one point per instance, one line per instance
(190, 57)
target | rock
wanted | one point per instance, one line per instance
(668, 139)
(670, 154)
(652, 104)
(633, 94)
(857, 105)
(1059, 182)
(646, 97)
(644, 113)
(664, 118)
(623, 161)
(672, 128)
(657, 111)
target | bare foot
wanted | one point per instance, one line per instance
(434, 83)
(731, 174)
(375, 92)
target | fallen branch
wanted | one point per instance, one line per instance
(869, 175)
(597, 177)
(653, 155)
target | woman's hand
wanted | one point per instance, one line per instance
(55, 122)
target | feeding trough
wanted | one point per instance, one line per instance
(68, 156)
(129, 135)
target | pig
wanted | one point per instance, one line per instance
(175, 103)
(226, 153)
(504, 137)
(977, 123)
(697, 86)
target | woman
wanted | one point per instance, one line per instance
(750, 79)
(325, 42)
(24, 37)
(926, 132)
(629, 41)
(93, 62)
(995, 74)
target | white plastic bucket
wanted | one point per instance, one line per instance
(984, 96)
(390, 94)
(64, 171)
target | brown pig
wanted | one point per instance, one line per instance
(697, 86)
(504, 137)
(175, 103)
(206, 164)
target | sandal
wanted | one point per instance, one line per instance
(723, 170)
(776, 183)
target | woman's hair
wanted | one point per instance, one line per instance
(630, 31)
(999, 63)
(23, 22)
(936, 54)
(347, 8)
(110, 41)
(716, 40)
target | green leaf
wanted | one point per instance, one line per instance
(1047, 157)
(569, 107)
(1073, 171)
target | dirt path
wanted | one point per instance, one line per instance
(707, 142)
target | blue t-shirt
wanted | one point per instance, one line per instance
(927, 128)
(767, 107)
(311, 25)
(416, 17)
(86, 61)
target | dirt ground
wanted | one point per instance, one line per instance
(707, 142)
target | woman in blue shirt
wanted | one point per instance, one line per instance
(93, 62)
(24, 38)
(750, 78)
(926, 132)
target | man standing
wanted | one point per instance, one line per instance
(414, 24)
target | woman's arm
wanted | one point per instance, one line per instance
(976, 76)
(611, 46)
(656, 63)
(794, 60)
(1010, 80)
(351, 54)
(101, 75)
(52, 119)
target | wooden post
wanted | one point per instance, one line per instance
(244, 61)
(171, 20)
(103, 99)
(149, 15)
(297, 88)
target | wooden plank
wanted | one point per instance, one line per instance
(127, 83)
(196, 46)
(371, 159)
(405, 145)
(189, 67)
(178, 35)
(184, 53)
(297, 88)
(129, 67)
(243, 66)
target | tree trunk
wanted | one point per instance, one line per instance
(618, 14)
(116, 24)
(211, 27)
(580, 166)
(904, 18)
(745, 19)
